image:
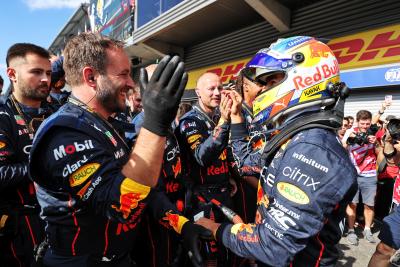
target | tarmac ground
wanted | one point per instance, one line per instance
(358, 256)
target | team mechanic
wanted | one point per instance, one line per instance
(21, 229)
(91, 189)
(307, 178)
(162, 225)
(203, 138)
(245, 199)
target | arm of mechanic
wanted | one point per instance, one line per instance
(161, 97)
(204, 147)
(11, 172)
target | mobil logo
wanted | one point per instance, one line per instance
(318, 74)
(64, 150)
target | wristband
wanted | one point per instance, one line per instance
(391, 154)
(381, 113)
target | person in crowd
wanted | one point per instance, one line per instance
(91, 188)
(361, 144)
(134, 102)
(388, 249)
(137, 121)
(182, 110)
(307, 179)
(343, 129)
(351, 121)
(133, 106)
(377, 118)
(21, 229)
(204, 148)
(1, 84)
(388, 172)
(160, 228)
(57, 97)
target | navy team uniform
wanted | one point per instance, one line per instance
(162, 224)
(21, 229)
(301, 199)
(91, 209)
(204, 149)
(246, 197)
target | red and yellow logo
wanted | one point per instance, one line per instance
(83, 173)
(2, 145)
(369, 48)
(131, 193)
(193, 138)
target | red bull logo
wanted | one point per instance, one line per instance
(128, 202)
(213, 170)
(260, 194)
(173, 219)
(223, 155)
(177, 169)
(319, 50)
(321, 72)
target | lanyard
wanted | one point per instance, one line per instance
(27, 121)
(73, 100)
(208, 119)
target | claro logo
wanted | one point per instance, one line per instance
(62, 150)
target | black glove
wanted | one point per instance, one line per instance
(162, 94)
(191, 233)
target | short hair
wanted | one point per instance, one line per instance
(363, 115)
(87, 50)
(1, 80)
(22, 49)
(350, 118)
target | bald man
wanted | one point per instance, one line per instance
(203, 135)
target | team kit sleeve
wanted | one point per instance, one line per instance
(164, 211)
(83, 167)
(247, 158)
(12, 173)
(206, 148)
(308, 184)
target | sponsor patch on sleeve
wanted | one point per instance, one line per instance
(293, 193)
(175, 221)
(131, 193)
(193, 138)
(82, 174)
(2, 145)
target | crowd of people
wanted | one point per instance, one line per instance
(121, 173)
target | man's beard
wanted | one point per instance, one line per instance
(35, 93)
(108, 96)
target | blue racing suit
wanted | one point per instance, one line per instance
(21, 229)
(91, 209)
(204, 149)
(301, 200)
